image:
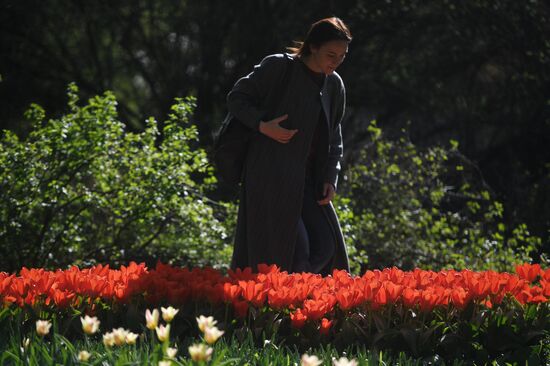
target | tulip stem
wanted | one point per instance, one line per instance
(369, 316)
(226, 315)
(153, 339)
(388, 322)
(361, 330)
(55, 331)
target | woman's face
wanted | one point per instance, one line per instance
(329, 56)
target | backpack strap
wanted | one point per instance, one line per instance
(277, 96)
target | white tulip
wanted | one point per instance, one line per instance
(131, 338)
(212, 334)
(206, 322)
(90, 325)
(163, 332)
(200, 352)
(43, 327)
(171, 352)
(152, 318)
(109, 339)
(307, 360)
(343, 361)
(168, 313)
(119, 336)
(84, 356)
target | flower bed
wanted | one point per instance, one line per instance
(458, 314)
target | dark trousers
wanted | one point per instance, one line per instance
(315, 242)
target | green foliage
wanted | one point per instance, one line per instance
(81, 189)
(426, 208)
(507, 333)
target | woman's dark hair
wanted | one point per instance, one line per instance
(321, 32)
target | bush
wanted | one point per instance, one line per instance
(81, 189)
(426, 208)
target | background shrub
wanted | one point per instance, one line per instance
(81, 189)
(426, 208)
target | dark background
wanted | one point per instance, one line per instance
(477, 72)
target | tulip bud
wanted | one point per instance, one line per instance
(163, 332)
(26, 343)
(152, 318)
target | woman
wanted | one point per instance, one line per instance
(290, 174)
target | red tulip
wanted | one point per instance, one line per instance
(512, 283)
(460, 298)
(545, 287)
(528, 272)
(537, 295)
(297, 319)
(479, 288)
(428, 300)
(253, 292)
(523, 295)
(315, 309)
(300, 292)
(244, 275)
(410, 297)
(241, 308)
(264, 268)
(62, 299)
(279, 299)
(231, 292)
(393, 291)
(381, 298)
(346, 299)
(325, 326)
(394, 274)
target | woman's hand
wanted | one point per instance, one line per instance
(328, 193)
(276, 132)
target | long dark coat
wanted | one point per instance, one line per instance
(273, 187)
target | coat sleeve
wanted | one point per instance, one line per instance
(246, 99)
(336, 146)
